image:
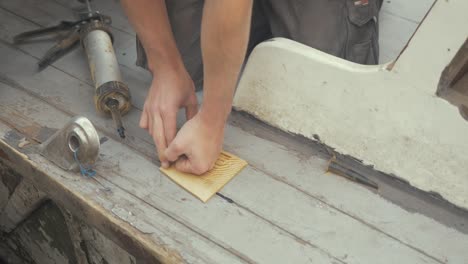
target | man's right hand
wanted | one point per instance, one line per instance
(170, 91)
(224, 39)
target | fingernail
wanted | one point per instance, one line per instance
(165, 164)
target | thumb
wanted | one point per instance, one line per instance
(175, 149)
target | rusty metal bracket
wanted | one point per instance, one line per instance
(76, 142)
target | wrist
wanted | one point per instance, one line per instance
(164, 63)
(217, 101)
(215, 114)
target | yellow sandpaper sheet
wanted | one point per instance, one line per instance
(205, 186)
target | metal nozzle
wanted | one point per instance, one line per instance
(113, 105)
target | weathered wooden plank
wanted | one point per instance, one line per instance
(74, 62)
(297, 167)
(280, 205)
(79, 242)
(318, 223)
(192, 215)
(10, 257)
(235, 147)
(24, 200)
(412, 11)
(127, 220)
(404, 17)
(246, 234)
(62, 98)
(97, 244)
(49, 13)
(394, 34)
(4, 191)
(148, 234)
(453, 84)
(110, 8)
(44, 237)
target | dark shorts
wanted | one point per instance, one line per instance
(344, 28)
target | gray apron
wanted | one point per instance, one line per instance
(344, 28)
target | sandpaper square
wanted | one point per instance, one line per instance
(206, 185)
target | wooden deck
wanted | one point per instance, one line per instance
(283, 208)
(398, 21)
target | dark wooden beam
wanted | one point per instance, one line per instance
(453, 84)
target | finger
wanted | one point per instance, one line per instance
(184, 165)
(170, 126)
(144, 119)
(159, 139)
(188, 165)
(190, 111)
(150, 122)
(174, 150)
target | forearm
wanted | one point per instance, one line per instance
(150, 20)
(224, 39)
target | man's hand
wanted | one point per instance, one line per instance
(197, 145)
(172, 88)
(169, 91)
(224, 38)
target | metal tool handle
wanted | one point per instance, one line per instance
(30, 35)
(59, 50)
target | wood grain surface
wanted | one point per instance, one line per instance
(205, 186)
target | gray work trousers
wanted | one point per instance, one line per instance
(344, 28)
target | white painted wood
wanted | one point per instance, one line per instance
(390, 119)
